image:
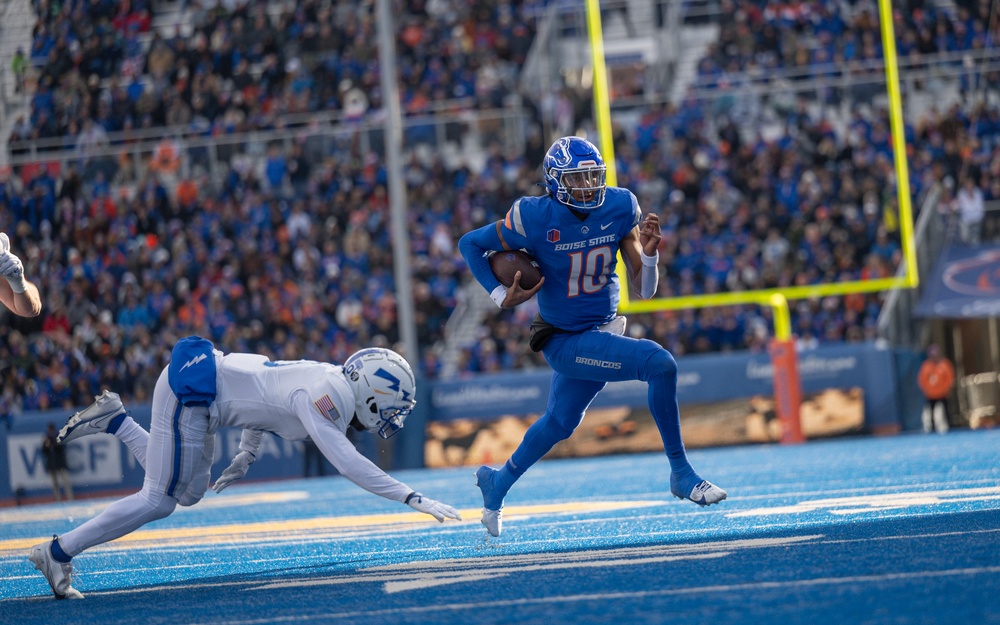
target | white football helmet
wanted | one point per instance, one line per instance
(384, 389)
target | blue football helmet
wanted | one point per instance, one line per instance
(575, 173)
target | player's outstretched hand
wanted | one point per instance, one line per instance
(235, 471)
(516, 295)
(436, 509)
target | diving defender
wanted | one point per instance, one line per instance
(202, 390)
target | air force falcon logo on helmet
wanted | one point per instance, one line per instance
(383, 386)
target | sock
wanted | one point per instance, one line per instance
(116, 423)
(135, 438)
(506, 477)
(57, 551)
(666, 413)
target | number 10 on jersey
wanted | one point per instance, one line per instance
(589, 275)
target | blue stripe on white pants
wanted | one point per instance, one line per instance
(175, 458)
(175, 428)
(177, 438)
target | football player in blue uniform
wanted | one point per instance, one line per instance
(574, 233)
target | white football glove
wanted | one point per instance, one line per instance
(436, 509)
(11, 267)
(235, 471)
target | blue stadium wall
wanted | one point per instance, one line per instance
(100, 464)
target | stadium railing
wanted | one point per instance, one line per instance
(322, 131)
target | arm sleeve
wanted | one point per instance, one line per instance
(250, 441)
(649, 275)
(475, 246)
(342, 454)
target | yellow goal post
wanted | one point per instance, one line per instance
(777, 298)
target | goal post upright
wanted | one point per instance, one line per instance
(782, 349)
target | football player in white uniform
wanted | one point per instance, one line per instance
(202, 390)
(16, 293)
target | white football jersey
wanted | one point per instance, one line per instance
(295, 399)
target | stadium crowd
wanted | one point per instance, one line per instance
(253, 65)
(817, 41)
(290, 256)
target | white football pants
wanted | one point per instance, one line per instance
(177, 456)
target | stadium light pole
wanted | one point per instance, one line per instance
(397, 190)
(407, 453)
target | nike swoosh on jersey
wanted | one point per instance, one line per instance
(607, 225)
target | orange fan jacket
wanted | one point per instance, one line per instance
(936, 378)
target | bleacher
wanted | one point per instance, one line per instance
(269, 232)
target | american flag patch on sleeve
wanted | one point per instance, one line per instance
(326, 408)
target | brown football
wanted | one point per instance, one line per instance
(506, 264)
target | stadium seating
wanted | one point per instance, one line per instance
(287, 253)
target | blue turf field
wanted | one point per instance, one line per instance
(902, 529)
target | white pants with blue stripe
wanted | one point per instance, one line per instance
(178, 463)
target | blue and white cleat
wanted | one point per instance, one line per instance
(93, 419)
(58, 574)
(702, 492)
(492, 518)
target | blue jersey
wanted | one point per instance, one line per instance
(577, 256)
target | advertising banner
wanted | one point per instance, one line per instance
(100, 463)
(965, 284)
(725, 400)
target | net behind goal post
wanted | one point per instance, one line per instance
(782, 348)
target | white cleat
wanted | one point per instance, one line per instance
(58, 574)
(706, 493)
(493, 520)
(93, 419)
(691, 486)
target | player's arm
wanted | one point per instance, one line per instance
(16, 293)
(27, 303)
(476, 246)
(639, 251)
(349, 462)
(237, 469)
